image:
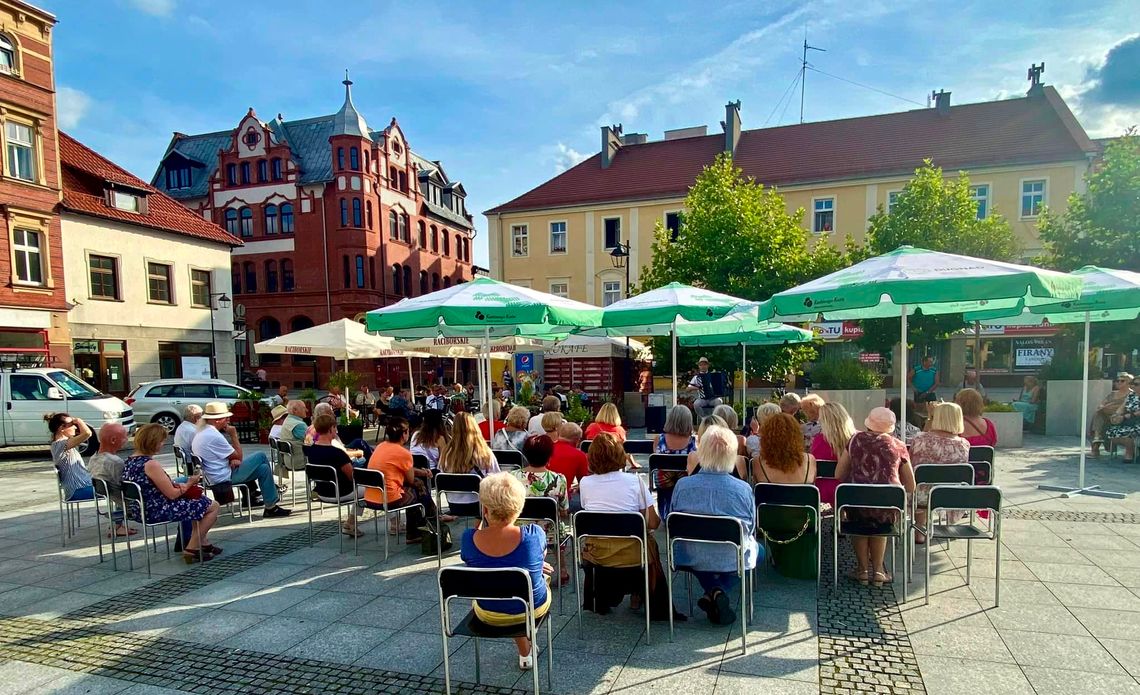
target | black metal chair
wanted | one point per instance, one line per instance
(982, 453)
(928, 475)
(103, 494)
(318, 473)
(627, 525)
(713, 530)
(374, 479)
(69, 509)
(492, 584)
(966, 498)
(545, 510)
(670, 463)
(825, 468)
(797, 496)
(287, 456)
(509, 459)
(983, 472)
(640, 447)
(584, 445)
(868, 496)
(179, 461)
(453, 482)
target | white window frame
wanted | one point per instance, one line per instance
(14, 49)
(665, 220)
(889, 206)
(559, 281)
(988, 197)
(520, 231)
(118, 196)
(834, 206)
(32, 150)
(565, 238)
(170, 283)
(607, 219)
(39, 251)
(607, 290)
(1044, 180)
(190, 270)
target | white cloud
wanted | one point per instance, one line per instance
(158, 8)
(566, 157)
(71, 106)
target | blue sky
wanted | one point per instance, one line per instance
(508, 94)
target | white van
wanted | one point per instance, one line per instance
(30, 394)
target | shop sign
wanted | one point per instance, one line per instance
(1030, 354)
(870, 357)
(837, 330)
(85, 347)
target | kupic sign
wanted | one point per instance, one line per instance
(1031, 354)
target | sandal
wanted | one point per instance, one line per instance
(351, 531)
(881, 578)
(191, 557)
(859, 576)
(211, 549)
(130, 532)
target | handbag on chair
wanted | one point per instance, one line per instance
(432, 538)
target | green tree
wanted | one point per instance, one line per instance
(737, 237)
(933, 213)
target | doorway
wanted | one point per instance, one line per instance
(103, 364)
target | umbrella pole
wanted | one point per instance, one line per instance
(902, 380)
(490, 410)
(673, 333)
(1081, 489)
(411, 380)
(743, 379)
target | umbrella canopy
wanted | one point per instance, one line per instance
(467, 347)
(342, 340)
(740, 327)
(653, 312)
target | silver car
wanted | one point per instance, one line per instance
(164, 400)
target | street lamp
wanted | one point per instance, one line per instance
(223, 303)
(619, 256)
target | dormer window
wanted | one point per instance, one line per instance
(8, 64)
(178, 177)
(126, 200)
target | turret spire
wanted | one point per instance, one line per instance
(348, 120)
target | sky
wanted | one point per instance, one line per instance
(508, 94)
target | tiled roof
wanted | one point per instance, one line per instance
(1027, 130)
(85, 176)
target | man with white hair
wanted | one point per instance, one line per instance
(790, 403)
(107, 465)
(184, 435)
(713, 490)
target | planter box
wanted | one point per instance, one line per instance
(1008, 426)
(1063, 404)
(857, 403)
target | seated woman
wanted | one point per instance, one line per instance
(977, 430)
(732, 422)
(791, 538)
(1029, 400)
(499, 543)
(467, 452)
(323, 452)
(540, 481)
(835, 431)
(613, 565)
(359, 451)
(713, 490)
(607, 420)
(1102, 416)
(67, 433)
(874, 457)
(693, 463)
(512, 436)
(431, 437)
(676, 438)
(403, 483)
(550, 424)
(167, 500)
(1125, 422)
(941, 443)
(763, 412)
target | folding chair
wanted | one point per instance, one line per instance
(545, 510)
(630, 525)
(179, 462)
(68, 507)
(492, 584)
(453, 482)
(640, 447)
(132, 493)
(801, 496)
(825, 468)
(966, 498)
(103, 494)
(374, 479)
(287, 458)
(983, 472)
(930, 474)
(196, 465)
(318, 473)
(671, 463)
(509, 459)
(826, 483)
(584, 445)
(982, 453)
(868, 496)
(714, 530)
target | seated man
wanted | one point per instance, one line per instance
(107, 465)
(569, 460)
(222, 463)
(188, 428)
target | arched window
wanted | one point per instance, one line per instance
(366, 160)
(357, 213)
(271, 275)
(423, 234)
(246, 222)
(392, 231)
(8, 55)
(276, 168)
(340, 158)
(232, 221)
(397, 276)
(368, 213)
(459, 247)
(354, 159)
(235, 278)
(250, 272)
(262, 171)
(434, 282)
(403, 229)
(347, 279)
(446, 283)
(267, 328)
(287, 275)
(286, 218)
(434, 239)
(408, 280)
(446, 242)
(244, 173)
(300, 323)
(371, 263)
(344, 212)
(360, 271)
(271, 219)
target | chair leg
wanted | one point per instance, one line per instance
(967, 562)
(668, 585)
(62, 529)
(577, 584)
(835, 552)
(478, 679)
(446, 655)
(549, 655)
(99, 529)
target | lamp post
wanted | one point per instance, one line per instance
(224, 303)
(619, 256)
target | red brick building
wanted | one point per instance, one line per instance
(33, 304)
(337, 219)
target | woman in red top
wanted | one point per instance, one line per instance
(607, 420)
(485, 425)
(978, 431)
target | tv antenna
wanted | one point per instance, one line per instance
(803, 71)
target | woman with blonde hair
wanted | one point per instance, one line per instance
(607, 420)
(835, 430)
(940, 443)
(763, 412)
(514, 433)
(550, 424)
(732, 422)
(467, 452)
(791, 539)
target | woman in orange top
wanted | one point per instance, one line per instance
(607, 420)
(403, 483)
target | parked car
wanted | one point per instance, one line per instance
(164, 400)
(30, 394)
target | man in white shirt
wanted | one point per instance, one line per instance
(550, 404)
(438, 399)
(702, 387)
(222, 462)
(188, 428)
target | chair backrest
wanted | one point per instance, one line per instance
(485, 583)
(982, 453)
(540, 509)
(100, 487)
(781, 495)
(180, 456)
(867, 495)
(669, 462)
(641, 447)
(194, 465)
(457, 482)
(983, 472)
(825, 468)
(955, 497)
(711, 528)
(944, 473)
(584, 445)
(132, 492)
(615, 524)
(509, 457)
(421, 461)
(321, 473)
(274, 452)
(368, 477)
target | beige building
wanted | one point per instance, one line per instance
(1021, 154)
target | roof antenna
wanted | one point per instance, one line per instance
(803, 71)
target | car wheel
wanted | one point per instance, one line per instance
(89, 447)
(168, 421)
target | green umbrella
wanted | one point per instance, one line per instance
(909, 279)
(1107, 295)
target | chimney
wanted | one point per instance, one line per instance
(611, 143)
(635, 139)
(1034, 77)
(941, 101)
(731, 125)
(697, 131)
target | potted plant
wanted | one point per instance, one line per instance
(849, 383)
(1007, 422)
(349, 425)
(248, 414)
(578, 413)
(309, 396)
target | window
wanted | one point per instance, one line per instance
(340, 158)
(158, 283)
(104, 277)
(287, 275)
(228, 392)
(446, 283)
(250, 277)
(27, 387)
(262, 171)
(823, 217)
(557, 237)
(613, 232)
(611, 292)
(244, 173)
(403, 227)
(235, 278)
(359, 267)
(231, 174)
(981, 196)
(434, 239)
(368, 213)
(125, 201)
(446, 242)
(366, 160)
(271, 276)
(29, 257)
(7, 55)
(246, 222)
(354, 159)
(371, 259)
(423, 282)
(423, 234)
(267, 328)
(276, 166)
(560, 288)
(271, 219)
(344, 212)
(396, 278)
(892, 198)
(393, 180)
(232, 221)
(1032, 197)
(434, 282)
(458, 247)
(403, 181)
(344, 268)
(673, 224)
(408, 280)
(199, 287)
(357, 213)
(177, 177)
(393, 233)
(286, 218)
(21, 151)
(519, 242)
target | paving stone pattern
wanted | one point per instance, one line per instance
(863, 643)
(1062, 515)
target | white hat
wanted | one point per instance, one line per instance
(216, 410)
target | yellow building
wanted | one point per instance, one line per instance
(1020, 154)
